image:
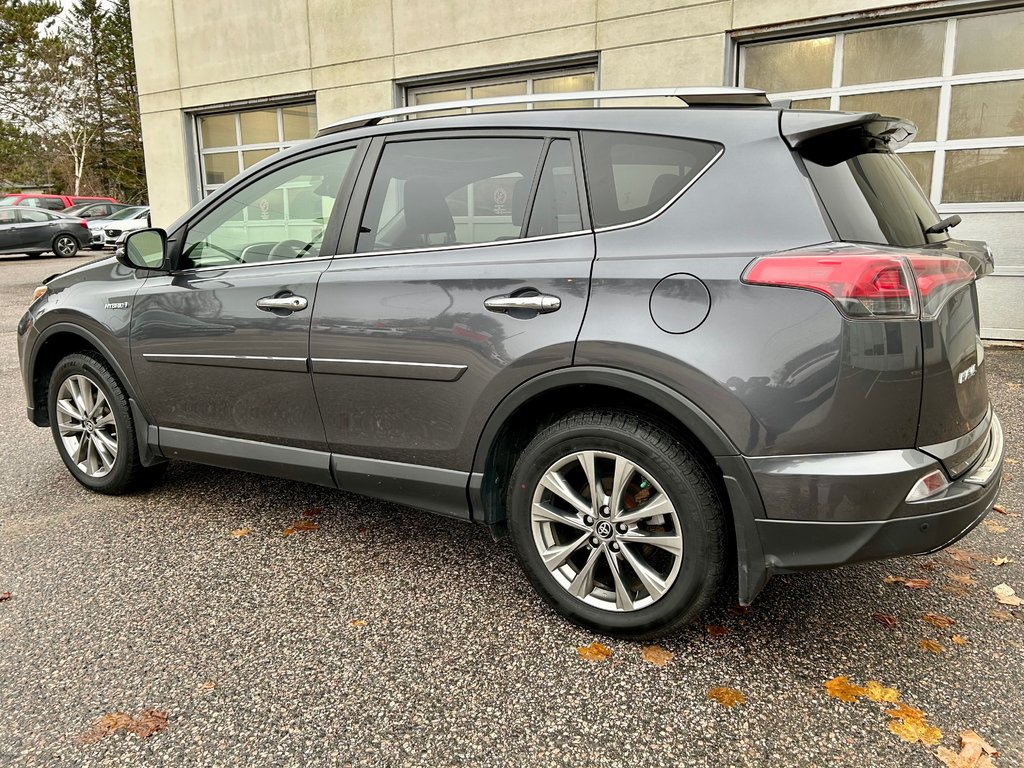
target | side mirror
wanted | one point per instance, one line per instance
(144, 249)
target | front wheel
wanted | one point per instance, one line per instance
(617, 525)
(65, 245)
(93, 427)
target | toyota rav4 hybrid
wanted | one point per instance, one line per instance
(656, 347)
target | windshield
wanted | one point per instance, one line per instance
(869, 193)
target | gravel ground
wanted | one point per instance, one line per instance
(125, 604)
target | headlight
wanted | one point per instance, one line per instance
(39, 292)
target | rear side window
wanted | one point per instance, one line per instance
(428, 193)
(50, 203)
(869, 193)
(632, 175)
(36, 216)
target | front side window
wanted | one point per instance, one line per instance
(632, 176)
(439, 192)
(280, 216)
(8, 217)
(50, 203)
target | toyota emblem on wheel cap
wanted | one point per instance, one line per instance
(604, 529)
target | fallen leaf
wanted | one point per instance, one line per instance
(1006, 595)
(1001, 560)
(930, 645)
(994, 526)
(4, 596)
(301, 526)
(727, 697)
(361, 529)
(656, 655)
(953, 589)
(357, 623)
(313, 512)
(206, 687)
(875, 691)
(964, 555)
(999, 508)
(595, 651)
(910, 725)
(841, 688)
(975, 752)
(714, 630)
(928, 565)
(937, 620)
(885, 619)
(240, 532)
(148, 722)
(738, 610)
(959, 640)
(1010, 461)
(908, 583)
(963, 578)
(1001, 615)
(890, 579)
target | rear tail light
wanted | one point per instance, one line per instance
(83, 223)
(866, 283)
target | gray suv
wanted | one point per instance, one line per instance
(656, 347)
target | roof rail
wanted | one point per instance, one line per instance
(721, 96)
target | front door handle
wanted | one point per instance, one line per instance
(541, 302)
(289, 303)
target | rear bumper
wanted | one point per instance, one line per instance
(847, 517)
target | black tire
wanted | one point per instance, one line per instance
(126, 473)
(34, 254)
(670, 466)
(65, 246)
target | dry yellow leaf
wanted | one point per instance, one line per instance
(148, 722)
(959, 640)
(963, 578)
(999, 508)
(727, 697)
(975, 752)
(929, 645)
(1001, 560)
(301, 526)
(656, 655)
(714, 630)
(875, 691)
(994, 526)
(206, 687)
(357, 623)
(1006, 595)
(937, 620)
(910, 725)
(240, 532)
(595, 651)
(841, 688)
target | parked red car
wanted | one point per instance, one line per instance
(51, 202)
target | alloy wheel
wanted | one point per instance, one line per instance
(87, 426)
(606, 531)
(65, 246)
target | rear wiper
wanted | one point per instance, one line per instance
(942, 226)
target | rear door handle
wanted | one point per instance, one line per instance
(541, 303)
(287, 303)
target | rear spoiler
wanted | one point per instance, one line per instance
(801, 126)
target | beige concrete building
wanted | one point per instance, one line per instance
(224, 83)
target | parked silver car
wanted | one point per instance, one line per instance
(97, 226)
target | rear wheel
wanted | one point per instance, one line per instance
(617, 525)
(65, 245)
(93, 428)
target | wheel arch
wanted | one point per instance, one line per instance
(533, 404)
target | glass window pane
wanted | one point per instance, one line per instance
(220, 166)
(564, 84)
(893, 53)
(822, 103)
(984, 175)
(989, 43)
(218, 131)
(920, 106)
(920, 165)
(632, 176)
(448, 191)
(279, 216)
(986, 110)
(252, 156)
(436, 97)
(797, 65)
(259, 127)
(556, 208)
(500, 89)
(299, 122)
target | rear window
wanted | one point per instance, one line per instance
(632, 175)
(869, 193)
(9, 200)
